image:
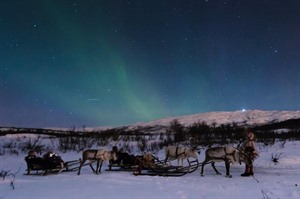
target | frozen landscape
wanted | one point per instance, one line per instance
(271, 180)
(142, 76)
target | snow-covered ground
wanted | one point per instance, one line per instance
(281, 180)
(242, 117)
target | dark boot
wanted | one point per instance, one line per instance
(251, 173)
(246, 173)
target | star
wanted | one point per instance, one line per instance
(112, 63)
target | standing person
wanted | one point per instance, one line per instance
(248, 147)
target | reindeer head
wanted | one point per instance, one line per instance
(114, 156)
(244, 157)
(197, 149)
(233, 154)
(237, 156)
(193, 153)
(193, 150)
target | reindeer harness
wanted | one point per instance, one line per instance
(176, 152)
(229, 154)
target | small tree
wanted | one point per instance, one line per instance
(178, 130)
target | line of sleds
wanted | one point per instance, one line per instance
(146, 164)
(151, 165)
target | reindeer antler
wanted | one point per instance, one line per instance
(240, 142)
(189, 144)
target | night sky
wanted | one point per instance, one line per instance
(95, 63)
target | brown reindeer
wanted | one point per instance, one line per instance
(96, 155)
(228, 154)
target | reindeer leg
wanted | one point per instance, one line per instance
(79, 169)
(97, 168)
(227, 165)
(100, 166)
(91, 165)
(202, 167)
(213, 166)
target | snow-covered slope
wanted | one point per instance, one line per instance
(248, 117)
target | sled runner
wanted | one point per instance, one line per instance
(149, 164)
(162, 169)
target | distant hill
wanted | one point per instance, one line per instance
(204, 129)
(248, 118)
(265, 120)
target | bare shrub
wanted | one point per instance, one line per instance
(10, 147)
(153, 147)
(7, 173)
(33, 144)
(126, 147)
(10, 144)
(75, 143)
(282, 144)
(275, 157)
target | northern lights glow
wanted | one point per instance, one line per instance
(111, 63)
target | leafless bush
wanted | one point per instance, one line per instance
(14, 152)
(4, 174)
(275, 157)
(282, 144)
(141, 143)
(153, 147)
(9, 147)
(7, 173)
(127, 148)
(74, 143)
(33, 144)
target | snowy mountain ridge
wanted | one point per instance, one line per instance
(241, 117)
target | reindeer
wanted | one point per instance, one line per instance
(228, 154)
(149, 159)
(96, 155)
(180, 153)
